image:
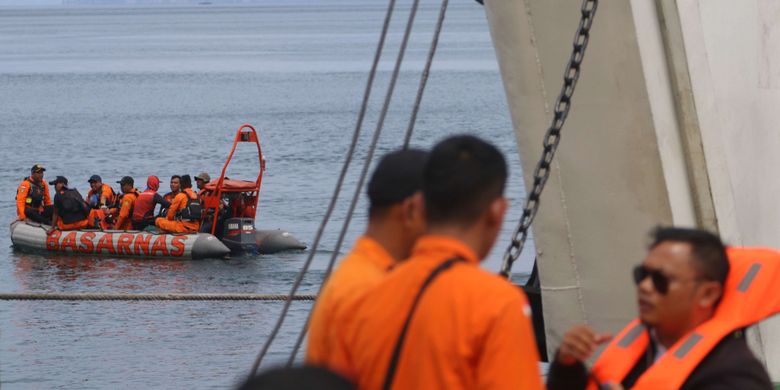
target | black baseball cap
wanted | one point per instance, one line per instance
(94, 178)
(37, 168)
(59, 179)
(398, 176)
(126, 180)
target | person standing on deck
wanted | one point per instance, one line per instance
(395, 222)
(33, 201)
(438, 321)
(184, 215)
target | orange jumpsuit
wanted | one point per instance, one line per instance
(106, 192)
(124, 221)
(471, 329)
(87, 223)
(170, 223)
(363, 268)
(21, 197)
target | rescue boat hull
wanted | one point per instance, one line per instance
(32, 236)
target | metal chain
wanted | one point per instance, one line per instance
(553, 136)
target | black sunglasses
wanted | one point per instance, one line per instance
(660, 281)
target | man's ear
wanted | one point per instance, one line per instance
(496, 211)
(711, 292)
(413, 208)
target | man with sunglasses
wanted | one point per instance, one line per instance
(679, 286)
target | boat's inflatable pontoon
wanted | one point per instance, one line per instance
(32, 236)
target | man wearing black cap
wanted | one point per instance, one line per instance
(125, 204)
(33, 201)
(395, 221)
(100, 194)
(71, 212)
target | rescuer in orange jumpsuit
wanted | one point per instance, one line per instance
(438, 321)
(100, 195)
(175, 185)
(126, 203)
(33, 201)
(182, 217)
(71, 212)
(395, 221)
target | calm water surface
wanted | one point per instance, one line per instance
(139, 91)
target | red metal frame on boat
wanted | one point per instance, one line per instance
(247, 207)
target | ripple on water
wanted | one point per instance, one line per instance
(105, 100)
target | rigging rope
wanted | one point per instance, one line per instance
(33, 296)
(366, 165)
(553, 135)
(426, 71)
(337, 190)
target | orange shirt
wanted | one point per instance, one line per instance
(124, 222)
(471, 329)
(178, 203)
(364, 267)
(105, 192)
(24, 190)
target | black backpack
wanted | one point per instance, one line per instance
(193, 212)
(73, 203)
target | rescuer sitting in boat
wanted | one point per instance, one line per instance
(694, 302)
(201, 180)
(185, 212)
(100, 195)
(175, 185)
(125, 203)
(33, 201)
(395, 221)
(71, 212)
(143, 210)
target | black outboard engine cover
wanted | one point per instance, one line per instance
(238, 234)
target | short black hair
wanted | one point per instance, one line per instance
(297, 378)
(176, 177)
(463, 175)
(186, 181)
(397, 177)
(711, 260)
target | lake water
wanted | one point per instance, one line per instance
(136, 91)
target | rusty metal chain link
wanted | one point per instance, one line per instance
(553, 136)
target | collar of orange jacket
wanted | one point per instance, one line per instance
(378, 254)
(433, 246)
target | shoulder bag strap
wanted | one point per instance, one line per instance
(400, 342)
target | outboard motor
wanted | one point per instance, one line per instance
(238, 234)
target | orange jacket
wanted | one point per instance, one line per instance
(124, 221)
(22, 193)
(750, 295)
(363, 268)
(105, 192)
(178, 203)
(471, 329)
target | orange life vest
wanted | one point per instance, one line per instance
(750, 295)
